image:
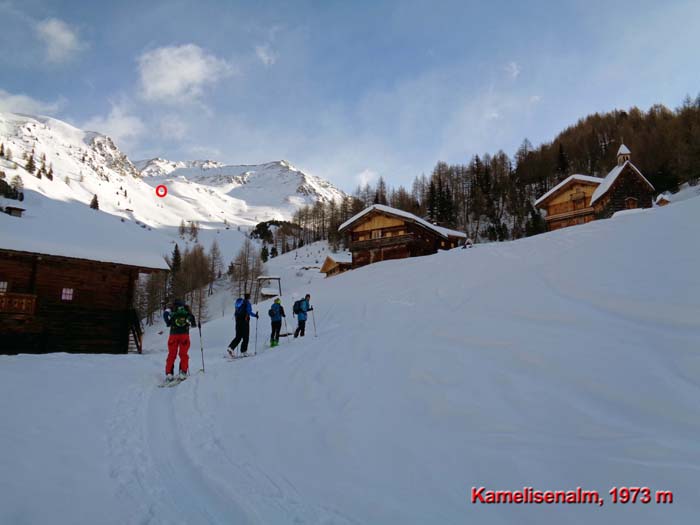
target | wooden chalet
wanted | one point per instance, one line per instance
(579, 199)
(336, 263)
(379, 233)
(663, 199)
(52, 303)
(65, 288)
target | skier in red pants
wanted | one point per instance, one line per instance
(179, 318)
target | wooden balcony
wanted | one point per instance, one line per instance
(17, 303)
(381, 242)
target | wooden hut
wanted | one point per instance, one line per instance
(14, 211)
(379, 233)
(336, 263)
(69, 287)
(663, 199)
(568, 203)
(51, 303)
(581, 198)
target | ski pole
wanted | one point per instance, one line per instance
(286, 329)
(201, 345)
(256, 336)
(313, 318)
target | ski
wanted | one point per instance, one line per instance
(237, 357)
(170, 384)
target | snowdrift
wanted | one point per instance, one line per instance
(564, 360)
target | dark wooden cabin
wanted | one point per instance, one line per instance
(51, 303)
(380, 233)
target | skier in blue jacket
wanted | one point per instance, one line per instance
(304, 306)
(276, 314)
(243, 313)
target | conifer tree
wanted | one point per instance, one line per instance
(264, 254)
(2, 150)
(182, 229)
(194, 231)
(273, 251)
(94, 203)
(31, 166)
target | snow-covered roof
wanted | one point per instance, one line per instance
(341, 257)
(444, 232)
(75, 231)
(612, 177)
(624, 150)
(582, 178)
(663, 196)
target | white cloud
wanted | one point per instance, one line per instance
(176, 74)
(119, 125)
(62, 42)
(266, 55)
(513, 69)
(26, 104)
(173, 127)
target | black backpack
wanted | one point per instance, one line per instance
(297, 307)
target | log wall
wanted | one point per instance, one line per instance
(97, 319)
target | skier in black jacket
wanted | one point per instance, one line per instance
(243, 313)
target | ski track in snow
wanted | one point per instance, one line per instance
(163, 475)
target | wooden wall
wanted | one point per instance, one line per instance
(628, 184)
(96, 320)
(399, 239)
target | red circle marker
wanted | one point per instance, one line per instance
(161, 191)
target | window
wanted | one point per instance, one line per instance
(630, 203)
(67, 294)
(3, 286)
(376, 234)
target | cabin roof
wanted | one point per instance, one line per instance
(109, 245)
(663, 197)
(566, 181)
(342, 258)
(624, 150)
(612, 177)
(443, 232)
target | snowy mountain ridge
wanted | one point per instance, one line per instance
(159, 166)
(87, 163)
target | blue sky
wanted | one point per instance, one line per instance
(347, 90)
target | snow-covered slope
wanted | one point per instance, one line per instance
(87, 163)
(562, 360)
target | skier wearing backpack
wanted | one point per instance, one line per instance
(243, 313)
(179, 318)
(300, 308)
(276, 314)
